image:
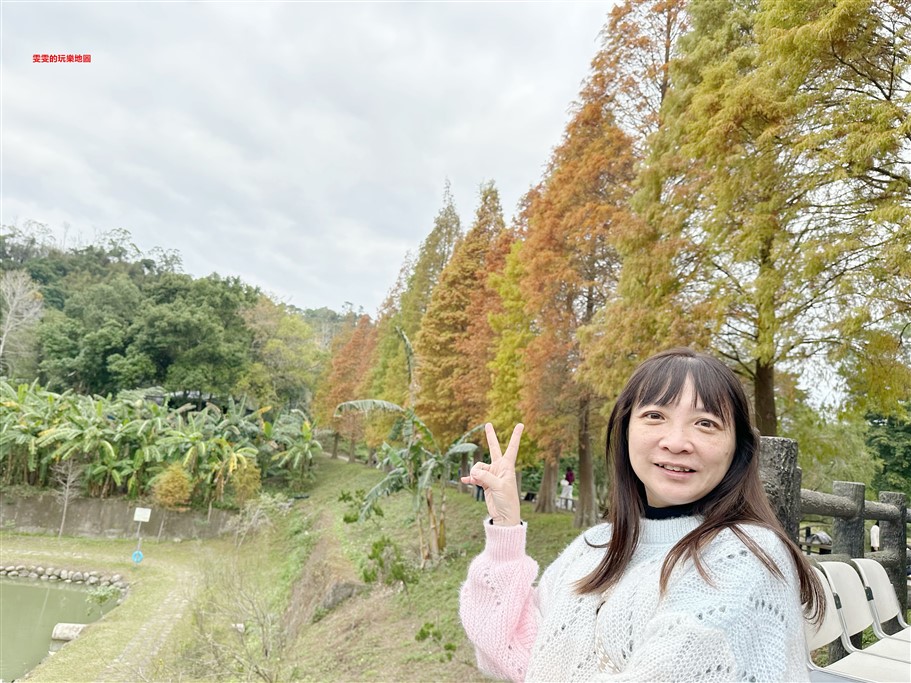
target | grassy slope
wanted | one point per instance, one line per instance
(372, 636)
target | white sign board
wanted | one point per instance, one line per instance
(142, 514)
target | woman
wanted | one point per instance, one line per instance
(691, 578)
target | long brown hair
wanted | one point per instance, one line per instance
(739, 498)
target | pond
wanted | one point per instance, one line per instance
(29, 610)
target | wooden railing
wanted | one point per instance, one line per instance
(846, 505)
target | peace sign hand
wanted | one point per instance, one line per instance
(498, 478)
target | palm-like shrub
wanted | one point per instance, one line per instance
(293, 440)
(414, 462)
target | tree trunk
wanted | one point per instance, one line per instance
(463, 472)
(587, 506)
(441, 542)
(434, 533)
(66, 504)
(424, 551)
(335, 446)
(547, 493)
(164, 516)
(764, 398)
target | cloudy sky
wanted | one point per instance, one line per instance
(300, 146)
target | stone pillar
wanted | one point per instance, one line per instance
(781, 477)
(848, 532)
(893, 537)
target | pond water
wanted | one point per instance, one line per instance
(29, 610)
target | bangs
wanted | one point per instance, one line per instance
(661, 383)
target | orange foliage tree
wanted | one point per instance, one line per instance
(401, 314)
(577, 224)
(455, 343)
(346, 379)
(645, 313)
(571, 267)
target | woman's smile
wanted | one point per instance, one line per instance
(674, 468)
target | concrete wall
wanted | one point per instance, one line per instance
(106, 518)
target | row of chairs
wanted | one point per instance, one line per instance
(860, 595)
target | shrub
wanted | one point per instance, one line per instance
(386, 564)
(246, 482)
(172, 488)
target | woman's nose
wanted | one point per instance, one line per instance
(676, 439)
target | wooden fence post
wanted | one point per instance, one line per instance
(781, 477)
(848, 532)
(893, 537)
(848, 539)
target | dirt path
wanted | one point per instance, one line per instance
(135, 662)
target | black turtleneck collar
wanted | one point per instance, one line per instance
(671, 512)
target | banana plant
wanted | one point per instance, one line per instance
(142, 437)
(85, 434)
(188, 440)
(26, 412)
(416, 464)
(294, 438)
(223, 460)
(108, 473)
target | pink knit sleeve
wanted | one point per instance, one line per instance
(498, 603)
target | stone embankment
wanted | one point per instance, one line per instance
(70, 576)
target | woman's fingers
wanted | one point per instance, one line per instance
(480, 475)
(493, 444)
(512, 450)
(486, 474)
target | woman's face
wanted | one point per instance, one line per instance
(680, 451)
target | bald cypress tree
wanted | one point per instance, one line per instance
(513, 329)
(407, 303)
(348, 370)
(645, 311)
(570, 259)
(781, 236)
(455, 342)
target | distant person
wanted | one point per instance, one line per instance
(566, 494)
(690, 578)
(479, 493)
(570, 475)
(874, 536)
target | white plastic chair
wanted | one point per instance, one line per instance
(854, 610)
(857, 666)
(882, 598)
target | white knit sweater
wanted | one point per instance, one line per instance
(747, 626)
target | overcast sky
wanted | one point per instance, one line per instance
(300, 146)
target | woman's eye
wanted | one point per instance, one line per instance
(708, 424)
(652, 416)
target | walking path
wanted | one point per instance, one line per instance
(135, 662)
